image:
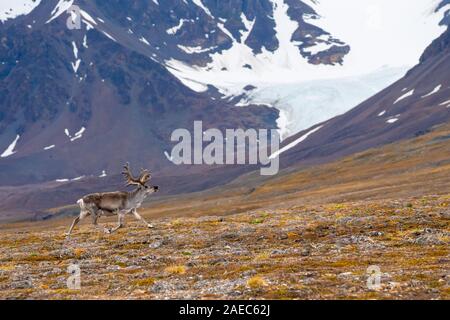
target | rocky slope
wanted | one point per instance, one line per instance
(67, 94)
(408, 108)
(76, 103)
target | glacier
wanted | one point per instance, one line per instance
(386, 39)
(306, 103)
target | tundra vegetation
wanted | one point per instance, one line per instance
(311, 233)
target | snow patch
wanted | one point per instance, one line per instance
(435, 90)
(85, 44)
(142, 39)
(178, 68)
(88, 18)
(406, 95)
(76, 65)
(294, 143)
(175, 29)
(382, 113)
(393, 120)
(49, 147)
(192, 50)
(10, 150)
(61, 7)
(13, 9)
(67, 180)
(109, 36)
(75, 49)
(248, 26)
(78, 135)
(202, 6)
(80, 132)
(319, 47)
(283, 124)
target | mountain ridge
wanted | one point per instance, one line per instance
(75, 105)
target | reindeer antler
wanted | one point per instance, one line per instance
(130, 180)
(144, 176)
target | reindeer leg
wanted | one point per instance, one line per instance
(139, 217)
(96, 225)
(83, 214)
(74, 223)
(120, 215)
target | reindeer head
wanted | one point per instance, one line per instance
(141, 181)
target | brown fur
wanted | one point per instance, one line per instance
(109, 201)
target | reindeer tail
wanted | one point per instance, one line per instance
(81, 203)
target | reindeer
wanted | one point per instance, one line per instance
(116, 203)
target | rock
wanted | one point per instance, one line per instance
(157, 287)
(22, 281)
(149, 257)
(283, 236)
(427, 239)
(428, 236)
(445, 214)
(344, 275)
(218, 261)
(156, 244)
(306, 251)
(248, 273)
(22, 284)
(230, 236)
(277, 252)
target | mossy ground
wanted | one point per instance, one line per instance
(299, 252)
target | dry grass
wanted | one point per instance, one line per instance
(256, 282)
(176, 269)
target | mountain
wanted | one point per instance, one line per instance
(75, 104)
(410, 107)
(67, 94)
(379, 49)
